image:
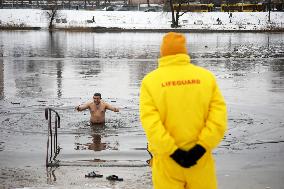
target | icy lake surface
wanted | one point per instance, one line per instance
(62, 70)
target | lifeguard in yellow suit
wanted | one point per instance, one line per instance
(184, 117)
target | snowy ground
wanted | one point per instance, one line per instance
(133, 20)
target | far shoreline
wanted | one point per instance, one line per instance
(135, 21)
(122, 30)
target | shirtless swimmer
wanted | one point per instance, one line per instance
(97, 109)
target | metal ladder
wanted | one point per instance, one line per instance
(53, 151)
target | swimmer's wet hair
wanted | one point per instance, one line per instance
(98, 94)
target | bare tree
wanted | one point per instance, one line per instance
(52, 13)
(269, 9)
(176, 11)
(98, 3)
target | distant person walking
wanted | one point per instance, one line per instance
(184, 117)
(97, 109)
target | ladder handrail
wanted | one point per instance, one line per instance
(52, 137)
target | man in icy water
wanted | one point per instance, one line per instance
(184, 117)
(97, 109)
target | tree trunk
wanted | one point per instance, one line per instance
(52, 16)
(173, 14)
(175, 17)
(97, 3)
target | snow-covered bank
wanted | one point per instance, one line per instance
(130, 20)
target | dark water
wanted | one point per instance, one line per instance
(62, 70)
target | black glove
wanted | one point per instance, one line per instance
(196, 153)
(182, 158)
(189, 158)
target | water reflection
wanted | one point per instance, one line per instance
(64, 69)
(95, 137)
(277, 77)
(1, 79)
(90, 68)
(57, 45)
(239, 65)
(96, 133)
(97, 144)
(27, 78)
(66, 65)
(138, 69)
(50, 175)
(59, 68)
(278, 67)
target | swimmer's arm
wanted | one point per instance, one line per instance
(109, 107)
(82, 107)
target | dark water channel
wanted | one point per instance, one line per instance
(62, 70)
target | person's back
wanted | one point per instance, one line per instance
(182, 93)
(181, 107)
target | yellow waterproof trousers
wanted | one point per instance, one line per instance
(167, 174)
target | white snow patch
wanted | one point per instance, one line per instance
(143, 20)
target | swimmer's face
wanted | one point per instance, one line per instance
(97, 99)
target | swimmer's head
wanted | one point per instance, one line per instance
(98, 94)
(97, 98)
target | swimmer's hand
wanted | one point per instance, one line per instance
(116, 110)
(77, 108)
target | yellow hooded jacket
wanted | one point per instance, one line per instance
(180, 106)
